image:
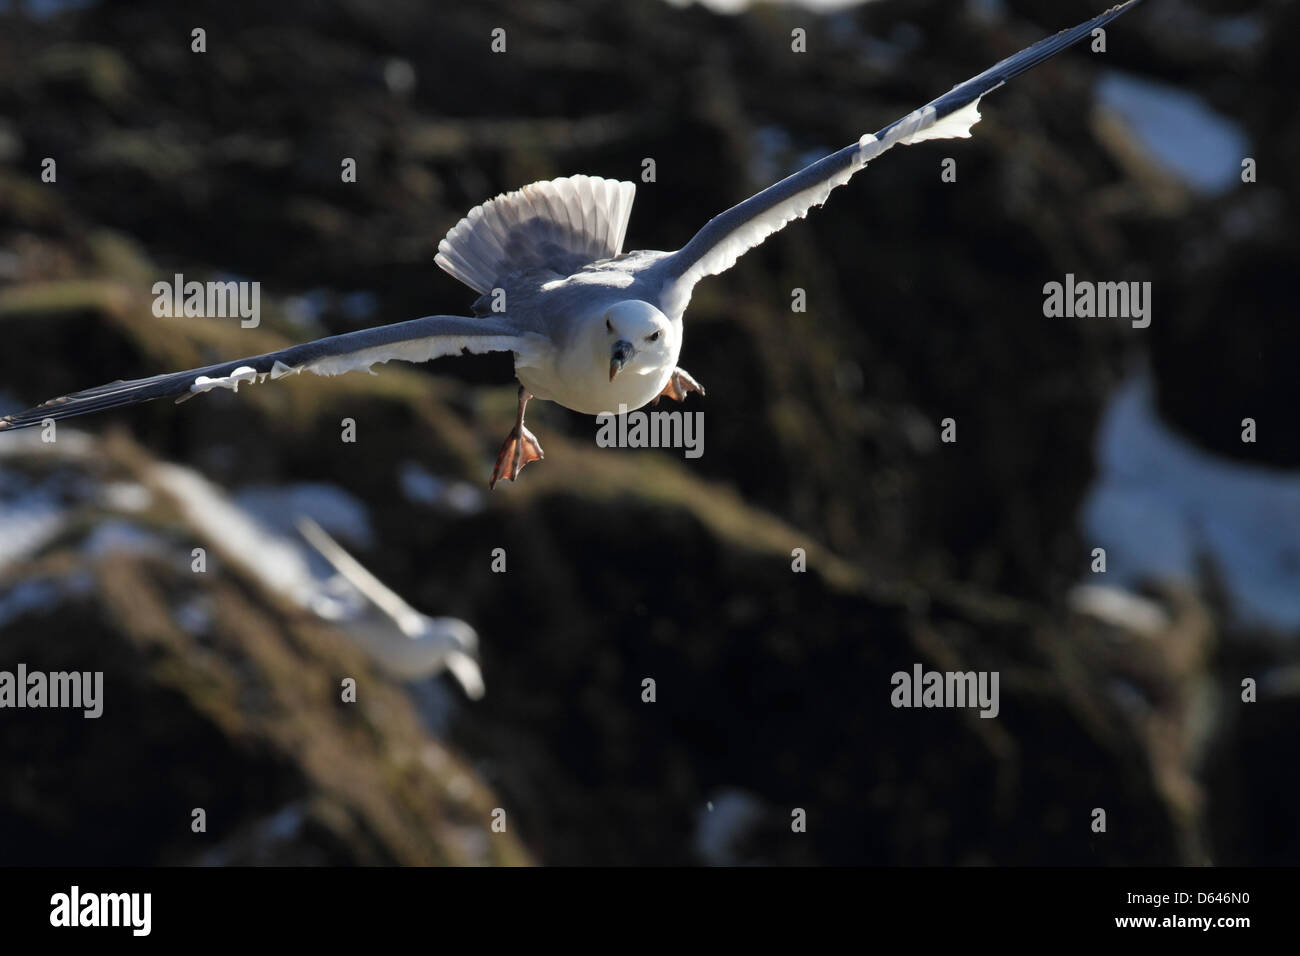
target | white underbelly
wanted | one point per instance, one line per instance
(595, 394)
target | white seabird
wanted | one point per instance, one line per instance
(591, 327)
(405, 643)
(402, 642)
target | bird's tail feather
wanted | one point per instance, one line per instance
(563, 225)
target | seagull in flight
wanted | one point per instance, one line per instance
(596, 329)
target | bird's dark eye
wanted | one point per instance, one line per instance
(652, 338)
(608, 325)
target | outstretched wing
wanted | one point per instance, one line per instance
(726, 237)
(417, 340)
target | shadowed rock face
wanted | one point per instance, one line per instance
(218, 695)
(924, 302)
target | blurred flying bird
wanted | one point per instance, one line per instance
(591, 327)
(405, 643)
(402, 642)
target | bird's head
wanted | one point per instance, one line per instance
(456, 646)
(638, 338)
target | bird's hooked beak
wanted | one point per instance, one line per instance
(619, 357)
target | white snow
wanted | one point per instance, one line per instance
(1159, 504)
(1177, 129)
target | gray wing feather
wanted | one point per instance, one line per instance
(417, 340)
(717, 246)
